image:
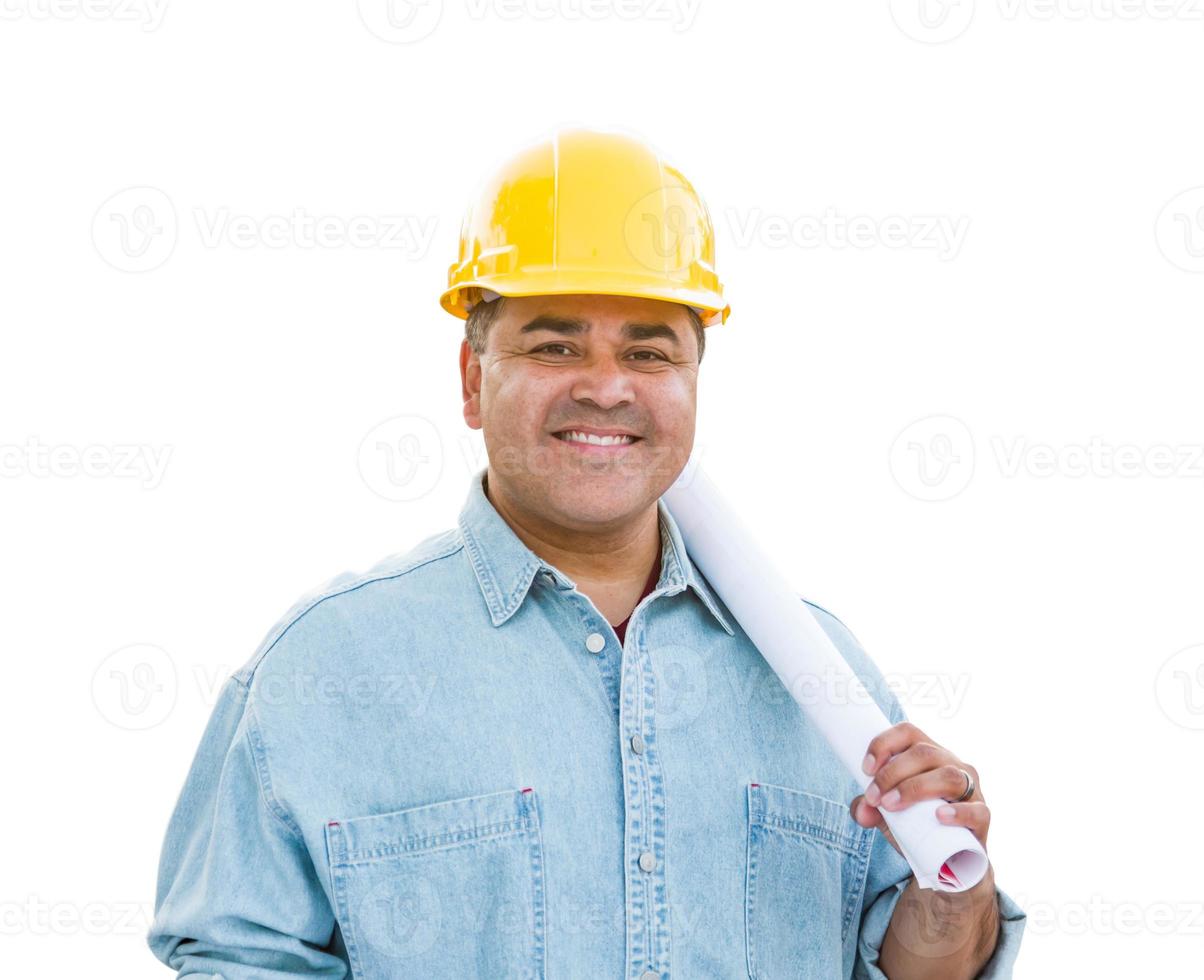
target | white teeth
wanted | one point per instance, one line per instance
(594, 440)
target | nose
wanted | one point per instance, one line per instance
(603, 382)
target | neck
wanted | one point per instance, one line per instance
(613, 557)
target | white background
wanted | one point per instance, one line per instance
(1022, 181)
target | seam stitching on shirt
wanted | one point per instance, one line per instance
(343, 590)
(264, 776)
(469, 543)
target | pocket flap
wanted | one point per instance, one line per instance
(435, 825)
(805, 813)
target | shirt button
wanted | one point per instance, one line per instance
(647, 863)
(595, 642)
(637, 743)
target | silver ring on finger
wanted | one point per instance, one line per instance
(969, 786)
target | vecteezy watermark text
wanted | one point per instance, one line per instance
(123, 461)
(935, 458)
(137, 229)
(941, 233)
(147, 13)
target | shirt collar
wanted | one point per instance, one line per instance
(505, 567)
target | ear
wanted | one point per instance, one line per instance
(470, 385)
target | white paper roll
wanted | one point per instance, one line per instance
(795, 645)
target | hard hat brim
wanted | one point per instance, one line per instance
(460, 299)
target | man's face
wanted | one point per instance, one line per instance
(603, 364)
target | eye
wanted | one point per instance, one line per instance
(654, 354)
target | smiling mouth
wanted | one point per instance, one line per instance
(577, 438)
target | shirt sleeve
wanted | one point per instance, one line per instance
(238, 895)
(889, 873)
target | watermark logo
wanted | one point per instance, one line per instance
(135, 230)
(661, 230)
(932, 21)
(933, 458)
(401, 21)
(938, 924)
(1180, 230)
(401, 915)
(135, 687)
(1180, 688)
(682, 686)
(402, 458)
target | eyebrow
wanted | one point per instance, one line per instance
(570, 326)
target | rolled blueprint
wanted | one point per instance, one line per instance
(780, 625)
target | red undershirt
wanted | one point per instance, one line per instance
(653, 577)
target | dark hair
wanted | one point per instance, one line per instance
(481, 318)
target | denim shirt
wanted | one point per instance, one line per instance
(448, 766)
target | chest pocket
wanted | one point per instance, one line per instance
(451, 889)
(807, 863)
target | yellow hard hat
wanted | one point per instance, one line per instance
(587, 211)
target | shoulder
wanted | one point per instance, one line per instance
(325, 610)
(861, 663)
(831, 623)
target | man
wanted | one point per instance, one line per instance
(538, 744)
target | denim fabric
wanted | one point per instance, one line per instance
(448, 766)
